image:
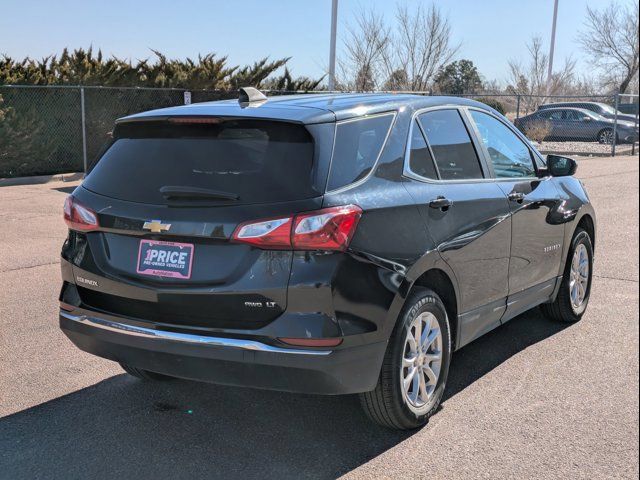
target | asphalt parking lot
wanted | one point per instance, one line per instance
(531, 399)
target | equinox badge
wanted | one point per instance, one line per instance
(156, 226)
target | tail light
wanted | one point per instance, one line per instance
(79, 217)
(272, 233)
(326, 229)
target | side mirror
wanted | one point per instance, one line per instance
(558, 166)
(586, 119)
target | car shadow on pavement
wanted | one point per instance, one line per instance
(483, 355)
(125, 428)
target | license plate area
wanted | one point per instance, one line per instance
(165, 259)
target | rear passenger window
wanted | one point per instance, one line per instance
(357, 146)
(451, 145)
(574, 116)
(420, 161)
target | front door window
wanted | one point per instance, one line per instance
(510, 156)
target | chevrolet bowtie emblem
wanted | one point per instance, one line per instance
(156, 226)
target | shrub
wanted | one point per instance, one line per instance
(86, 67)
(493, 103)
(537, 130)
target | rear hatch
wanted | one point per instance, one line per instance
(168, 195)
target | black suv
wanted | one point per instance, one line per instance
(328, 244)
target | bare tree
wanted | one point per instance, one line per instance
(610, 38)
(406, 57)
(420, 47)
(363, 52)
(585, 85)
(492, 86)
(530, 79)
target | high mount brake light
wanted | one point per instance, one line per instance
(195, 120)
(78, 217)
(327, 229)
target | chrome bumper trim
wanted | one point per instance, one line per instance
(136, 331)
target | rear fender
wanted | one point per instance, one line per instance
(429, 261)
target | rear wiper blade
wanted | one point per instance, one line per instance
(184, 193)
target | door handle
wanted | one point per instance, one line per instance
(516, 197)
(441, 202)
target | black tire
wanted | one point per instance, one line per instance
(561, 309)
(144, 374)
(386, 404)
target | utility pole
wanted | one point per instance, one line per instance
(332, 45)
(553, 43)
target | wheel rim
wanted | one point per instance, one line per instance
(579, 280)
(421, 361)
(606, 137)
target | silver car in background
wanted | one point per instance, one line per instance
(607, 111)
(576, 124)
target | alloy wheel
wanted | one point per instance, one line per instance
(579, 278)
(421, 361)
(606, 137)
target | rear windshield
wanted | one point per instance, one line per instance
(227, 161)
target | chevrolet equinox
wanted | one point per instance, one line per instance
(321, 243)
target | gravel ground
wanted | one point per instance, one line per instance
(530, 399)
(583, 148)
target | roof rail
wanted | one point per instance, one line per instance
(250, 95)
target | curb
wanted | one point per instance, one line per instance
(40, 179)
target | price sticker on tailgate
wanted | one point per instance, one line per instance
(165, 259)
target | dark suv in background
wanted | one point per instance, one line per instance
(328, 244)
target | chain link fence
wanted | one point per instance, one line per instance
(56, 129)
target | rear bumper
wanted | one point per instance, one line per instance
(227, 361)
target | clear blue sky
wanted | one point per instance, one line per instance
(491, 31)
